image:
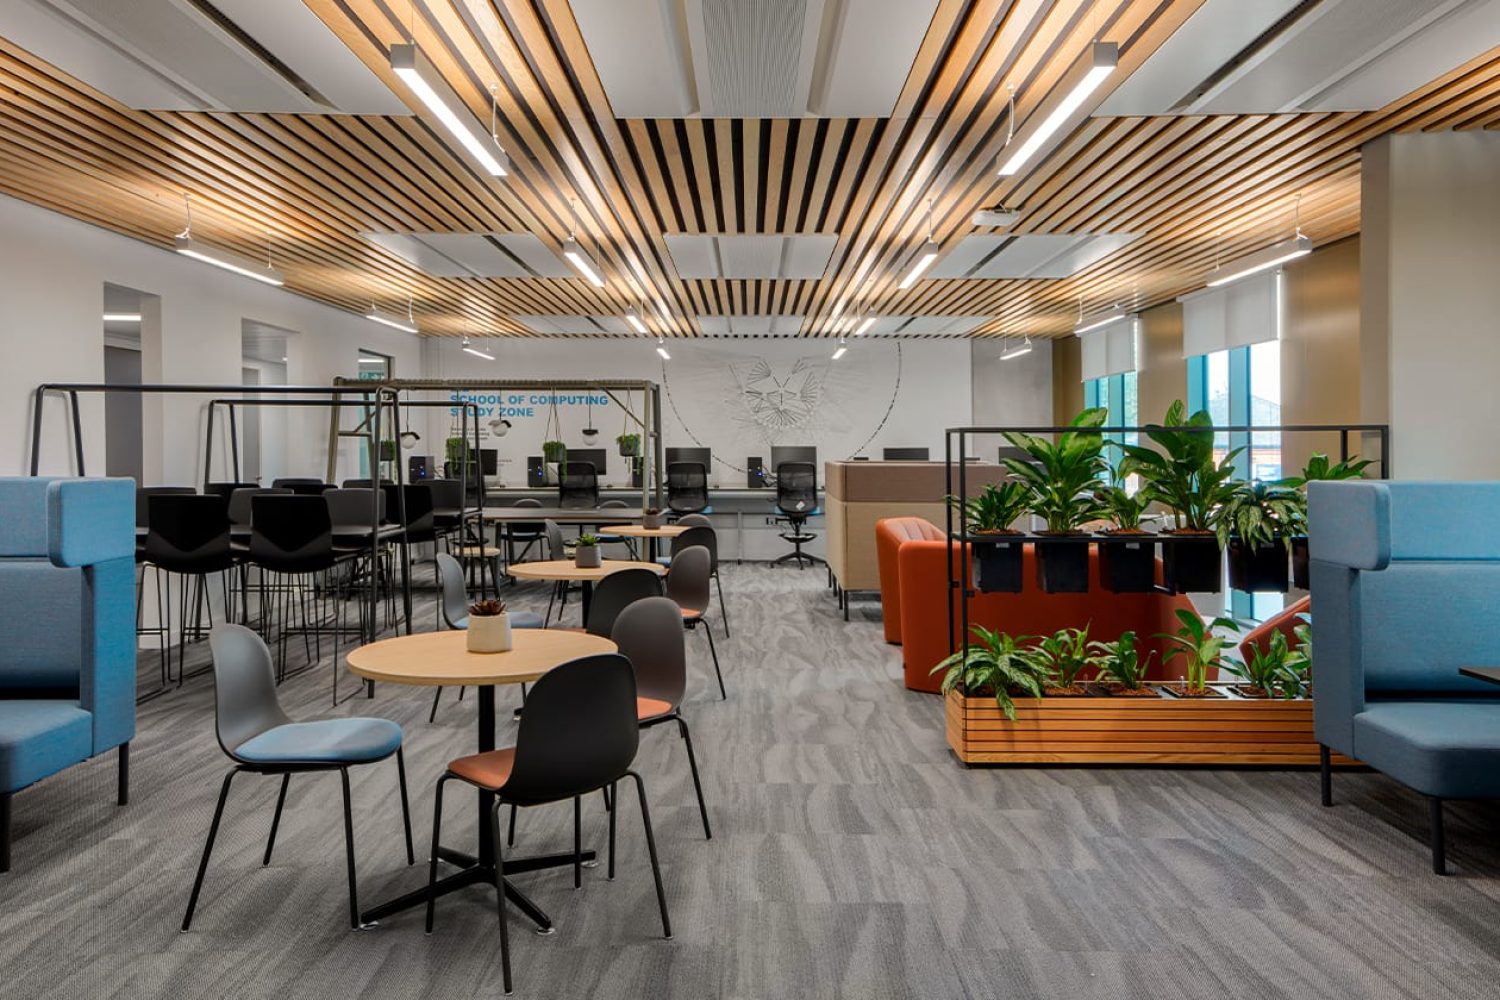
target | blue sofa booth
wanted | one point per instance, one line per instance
(1405, 591)
(67, 617)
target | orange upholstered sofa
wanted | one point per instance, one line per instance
(917, 596)
(1284, 621)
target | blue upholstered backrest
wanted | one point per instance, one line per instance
(41, 606)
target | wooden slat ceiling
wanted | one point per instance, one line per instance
(304, 187)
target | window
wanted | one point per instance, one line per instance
(1117, 394)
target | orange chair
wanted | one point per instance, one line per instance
(922, 570)
(890, 534)
(1284, 621)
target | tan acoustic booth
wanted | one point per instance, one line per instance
(857, 494)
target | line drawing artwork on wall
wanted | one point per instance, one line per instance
(778, 401)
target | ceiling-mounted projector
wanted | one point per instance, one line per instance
(998, 217)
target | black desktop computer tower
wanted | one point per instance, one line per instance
(418, 467)
(536, 473)
(755, 473)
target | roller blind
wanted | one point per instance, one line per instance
(1236, 315)
(1109, 350)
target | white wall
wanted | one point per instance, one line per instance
(1014, 393)
(52, 275)
(1431, 301)
(705, 402)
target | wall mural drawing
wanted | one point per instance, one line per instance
(778, 401)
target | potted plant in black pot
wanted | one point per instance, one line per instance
(1256, 526)
(1127, 556)
(630, 445)
(1060, 479)
(1318, 468)
(996, 548)
(1184, 477)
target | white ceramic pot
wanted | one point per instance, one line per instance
(489, 633)
(651, 520)
(586, 557)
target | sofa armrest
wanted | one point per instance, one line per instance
(107, 675)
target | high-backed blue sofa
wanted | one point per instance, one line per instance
(67, 630)
(1406, 590)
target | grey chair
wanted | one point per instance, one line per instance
(240, 502)
(557, 549)
(259, 738)
(529, 532)
(615, 593)
(453, 605)
(704, 535)
(688, 585)
(649, 634)
(606, 539)
(695, 521)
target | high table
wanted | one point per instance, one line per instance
(442, 659)
(641, 531)
(564, 570)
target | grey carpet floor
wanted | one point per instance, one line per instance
(852, 857)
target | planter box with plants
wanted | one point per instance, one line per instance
(1025, 700)
(1061, 481)
(1127, 552)
(994, 547)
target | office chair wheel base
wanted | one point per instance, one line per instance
(546, 931)
(368, 925)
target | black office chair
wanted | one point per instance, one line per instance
(447, 504)
(617, 592)
(529, 532)
(578, 486)
(188, 534)
(226, 490)
(797, 500)
(687, 488)
(143, 495)
(301, 487)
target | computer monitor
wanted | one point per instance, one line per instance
(489, 461)
(792, 453)
(596, 456)
(703, 456)
(904, 454)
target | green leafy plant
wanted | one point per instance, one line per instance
(1182, 475)
(1319, 468)
(1065, 654)
(1266, 669)
(1061, 477)
(586, 541)
(1125, 510)
(1198, 645)
(1299, 662)
(453, 449)
(388, 451)
(1120, 662)
(994, 507)
(1262, 513)
(996, 662)
(629, 444)
(554, 451)
(486, 609)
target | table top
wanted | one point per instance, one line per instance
(443, 658)
(561, 515)
(641, 531)
(1491, 674)
(564, 569)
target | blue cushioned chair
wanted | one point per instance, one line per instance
(67, 614)
(256, 734)
(1405, 591)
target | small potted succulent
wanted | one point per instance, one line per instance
(1318, 468)
(998, 664)
(630, 445)
(651, 517)
(1200, 648)
(1061, 478)
(995, 546)
(1122, 672)
(586, 552)
(1256, 527)
(489, 628)
(1065, 653)
(1185, 478)
(1127, 555)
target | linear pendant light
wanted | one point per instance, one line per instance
(927, 253)
(227, 259)
(407, 325)
(1261, 260)
(1065, 100)
(633, 317)
(842, 350)
(661, 348)
(864, 327)
(122, 317)
(471, 349)
(1094, 322)
(422, 78)
(1017, 351)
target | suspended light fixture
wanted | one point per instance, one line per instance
(471, 349)
(661, 348)
(1065, 100)
(864, 327)
(1261, 260)
(841, 351)
(408, 325)
(184, 244)
(581, 261)
(633, 317)
(122, 317)
(423, 79)
(927, 254)
(1017, 351)
(1096, 320)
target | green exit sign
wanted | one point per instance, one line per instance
(371, 376)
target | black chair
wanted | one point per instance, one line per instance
(579, 734)
(607, 539)
(226, 490)
(687, 584)
(301, 487)
(529, 532)
(447, 504)
(687, 488)
(143, 495)
(704, 535)
(188, 535)
(578, 486)
(615, 593)
(797, 500)
(239, 502)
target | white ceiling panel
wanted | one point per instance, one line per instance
(750, 326)
(475, 255)
(760, 59)
(751, 256)
(997, 255)
(575, 325)
(926, 326)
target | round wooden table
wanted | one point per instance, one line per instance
(565, 571)
(641, 531)
(442, 658)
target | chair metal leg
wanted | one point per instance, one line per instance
(349, 849)
(411, 855)
(208, 847)
(612, 814)
(687, 739)
(122, 789)
(723, 608)
(661, 894)
(1435, 834)
(5, 798)
(432, 858)
(1325, 775)
(715, 654)
(432, 715)
(578, 842)
(510, 833)
(500, 897)
(286, 779)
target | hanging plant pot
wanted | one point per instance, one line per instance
(997, 562)
(1062, 567)
(1301, 577)
(1127, 562)
(1257, 568)
(630, 445)
(1190, 562)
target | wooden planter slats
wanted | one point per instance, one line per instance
(1125, 730)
